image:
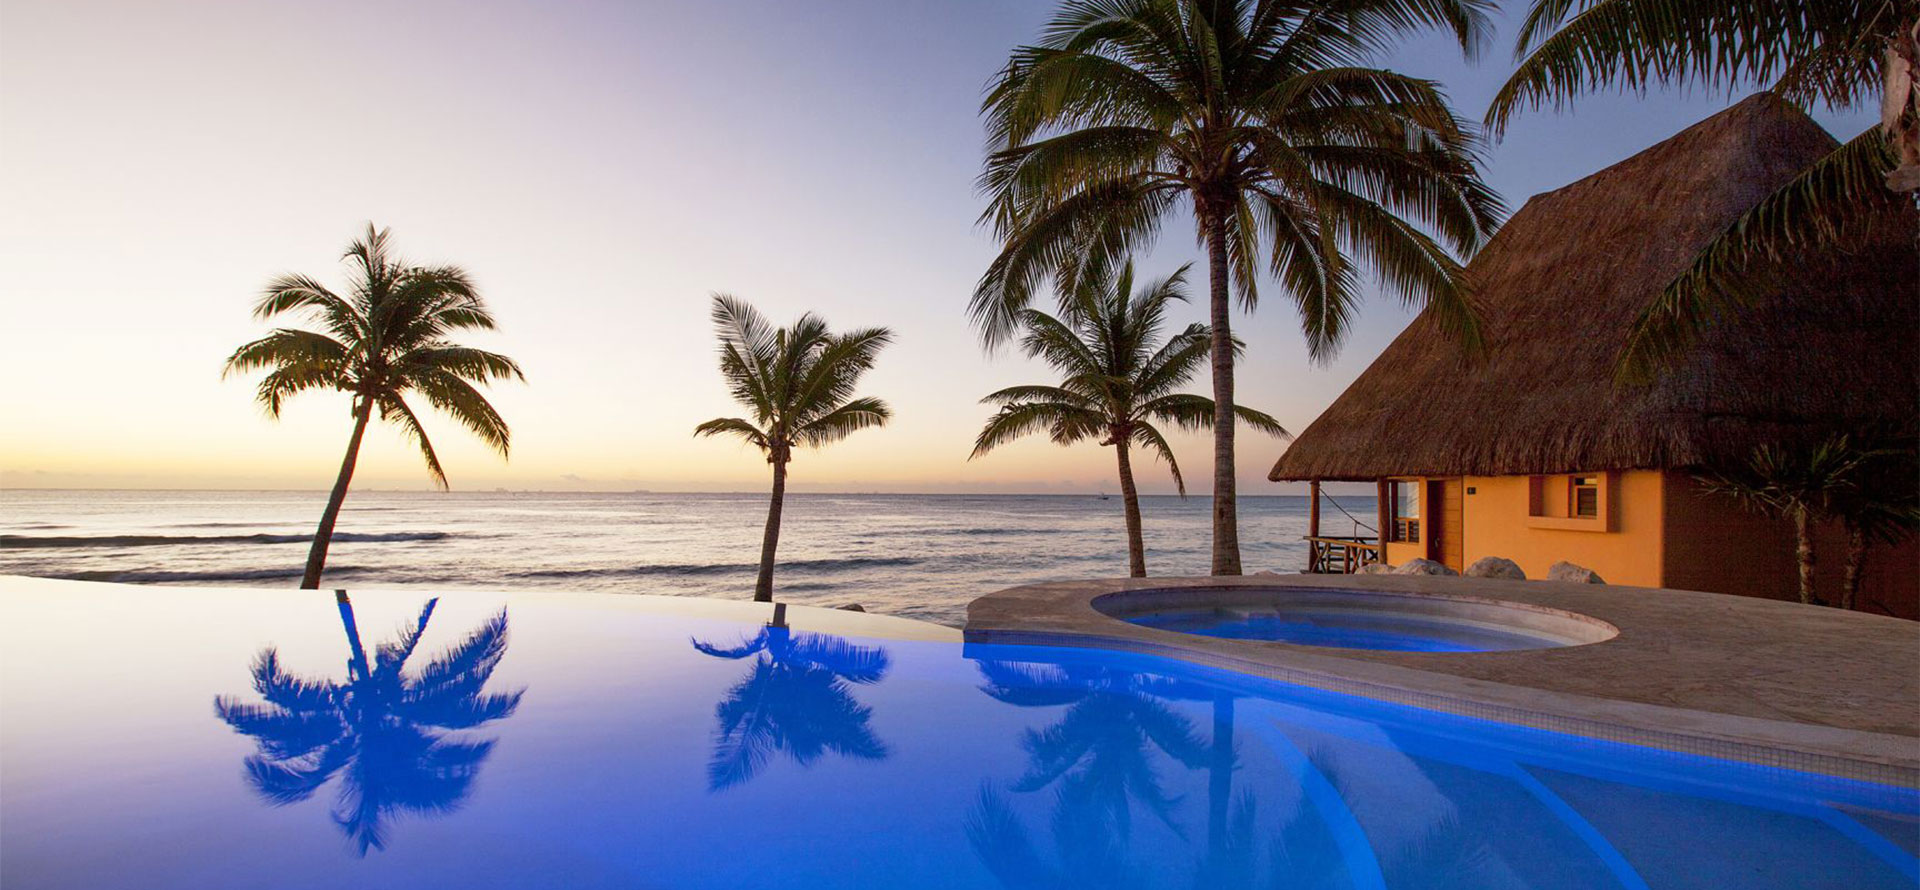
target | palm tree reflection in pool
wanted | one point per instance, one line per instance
(383, 731)
(796, 699)
(1099, 758)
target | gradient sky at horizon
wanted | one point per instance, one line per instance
(600, 167)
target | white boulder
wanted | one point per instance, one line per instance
(1572, 574)
(1495, 567)
(1423, 567)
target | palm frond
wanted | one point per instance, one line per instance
(1823, 206)
(843, 421)
(733, 426)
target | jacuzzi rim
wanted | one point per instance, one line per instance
(1566, 630)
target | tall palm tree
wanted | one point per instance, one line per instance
(798, 381)
(384, 730)
(1839, 53)
(385, 339)
(1263, 118)
(796, 699)
(1117, 380)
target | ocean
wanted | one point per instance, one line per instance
(918, 556)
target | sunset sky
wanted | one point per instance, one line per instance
(600, 168)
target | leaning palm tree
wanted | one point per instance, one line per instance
(385, 339)
(1838, 53)
(1117, 381)
(1264, 120)
(798, 381)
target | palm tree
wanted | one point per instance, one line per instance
(1838, 53)
(1118, 380)
(1262, 118)
(1800, 484)
(796, 700)
(798, 381)
(383, 730)
(385, 339)
(1881, 507)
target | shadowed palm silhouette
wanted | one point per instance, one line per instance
(796, 699)
(382, 731)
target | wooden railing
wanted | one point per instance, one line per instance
(1340, 555)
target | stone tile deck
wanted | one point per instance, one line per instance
(1781, 684)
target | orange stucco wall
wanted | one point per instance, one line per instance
(1659, 529)
(1498, 524)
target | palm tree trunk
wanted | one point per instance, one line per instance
(1803, 551)
(1226, 526)
(763, 587)
(323, 536)
(1856, 560)
(1136, 549)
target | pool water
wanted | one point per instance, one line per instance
(1347, 629)
(172, 739)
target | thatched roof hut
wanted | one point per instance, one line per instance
(1832, 347)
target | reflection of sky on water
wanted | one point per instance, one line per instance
(805, 757)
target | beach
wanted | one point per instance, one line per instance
(918, 556)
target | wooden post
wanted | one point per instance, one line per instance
(1313, 524)
(1380, 494)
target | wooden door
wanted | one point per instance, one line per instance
(1445, 504)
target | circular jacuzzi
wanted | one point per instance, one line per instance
(1355, 619)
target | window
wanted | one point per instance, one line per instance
(1584, 497)
(1574, 502)
(1403, 498)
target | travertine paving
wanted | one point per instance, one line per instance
(1776, 683)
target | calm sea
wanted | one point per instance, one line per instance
(922, 556)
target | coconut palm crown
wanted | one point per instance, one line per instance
(1838, 53)
(798, 382)
(1265, 120)
(385, 339)
(1118, 380)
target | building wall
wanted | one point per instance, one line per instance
(1660, 529)
(1625, 548)
(1713, 544)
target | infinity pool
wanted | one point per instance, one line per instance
(217, 738)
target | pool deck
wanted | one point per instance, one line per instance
(1778, 684)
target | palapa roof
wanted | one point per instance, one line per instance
(1831, 348)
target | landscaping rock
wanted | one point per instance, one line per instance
(1572, 574)
(1376, 568)
(1423, 567)
(852, 607)
(1495, 567)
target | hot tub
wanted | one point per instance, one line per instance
(1354, 619)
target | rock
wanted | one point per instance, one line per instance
(852, 607)
(1423, 567)
(1495, 567)
(1376, 568)
(1572, 574)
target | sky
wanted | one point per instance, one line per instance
(600, 168)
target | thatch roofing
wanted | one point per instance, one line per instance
(1832, 348)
